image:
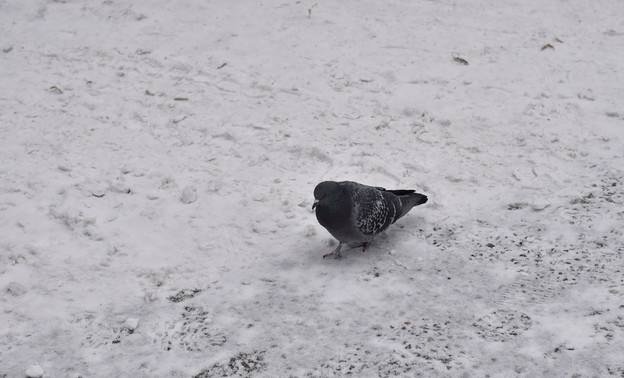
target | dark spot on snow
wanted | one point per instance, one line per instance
(459, 59)
(183, 295)
(517, 206)
(241, 365)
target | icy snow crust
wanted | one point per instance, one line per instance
(158, 161)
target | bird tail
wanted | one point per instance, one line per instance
(409, 199)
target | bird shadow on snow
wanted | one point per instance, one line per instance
(391, 242)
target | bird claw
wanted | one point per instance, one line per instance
(335, 252)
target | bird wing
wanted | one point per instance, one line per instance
(374, 210)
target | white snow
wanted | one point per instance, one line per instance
(131, 324)
(189, 195)
(158, 159)
(34, 371)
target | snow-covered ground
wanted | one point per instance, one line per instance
(158, 159)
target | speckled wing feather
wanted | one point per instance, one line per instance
(374, 209)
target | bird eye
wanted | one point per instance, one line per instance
(324, 195)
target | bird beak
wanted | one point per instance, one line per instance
(315, 204)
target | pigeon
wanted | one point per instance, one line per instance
(357, 213)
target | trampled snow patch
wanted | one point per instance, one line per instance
(158, 161)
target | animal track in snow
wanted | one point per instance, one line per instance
(241, 365)
(502, 324)
(193, 331)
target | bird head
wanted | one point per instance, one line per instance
(324, 190)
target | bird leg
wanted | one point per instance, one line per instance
(364, 246)
(335, 252)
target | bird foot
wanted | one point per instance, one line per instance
(335, 252)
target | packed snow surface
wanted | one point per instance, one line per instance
(158, 159)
